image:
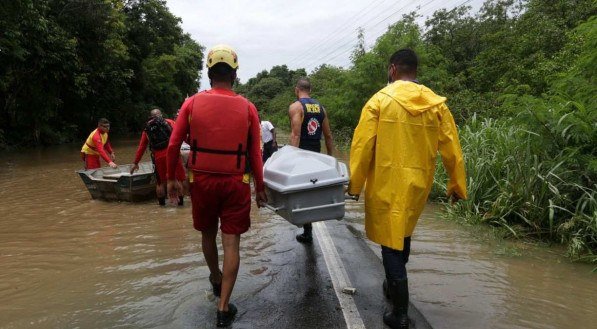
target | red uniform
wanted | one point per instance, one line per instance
(159, 157)
(224, 195)
(96, 145)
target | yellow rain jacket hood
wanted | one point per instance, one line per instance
(394, 149)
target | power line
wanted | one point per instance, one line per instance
(352, 40)
(328, 57)
(379, 22)
(342, 35)
(426, 12)
(333, 33)
(372, 19)
(394, 13)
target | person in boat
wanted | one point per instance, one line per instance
(308, 122)
(268, 138)
(223, 131)
(97, 145)
(393, 151)
(157, 135)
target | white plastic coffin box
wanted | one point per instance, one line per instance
(304, 186)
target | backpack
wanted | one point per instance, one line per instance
(158, 132)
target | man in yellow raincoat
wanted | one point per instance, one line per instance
(394, 149)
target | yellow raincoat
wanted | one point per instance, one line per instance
(394, 149)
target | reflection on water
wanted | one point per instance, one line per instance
(69, 261)
(480, 287)
(460, 280)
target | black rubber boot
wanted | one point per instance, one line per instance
(162, 201)
(224, 319)
(386, 289)
(181, 200)
(398, 317)
(307, 236)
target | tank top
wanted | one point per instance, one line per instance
(313, 116)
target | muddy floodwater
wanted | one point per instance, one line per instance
(71, 262)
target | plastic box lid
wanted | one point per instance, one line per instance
(292, 169)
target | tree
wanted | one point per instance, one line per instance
(65, 63)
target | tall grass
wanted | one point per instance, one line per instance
(518, 182)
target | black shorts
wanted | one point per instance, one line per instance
(310, 145)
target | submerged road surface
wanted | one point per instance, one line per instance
(71, 262)
(302, 285)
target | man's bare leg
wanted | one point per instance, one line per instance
(210, 252)
(160, 191)
(231, 243)
(180, 190)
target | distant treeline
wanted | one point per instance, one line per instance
(66, 63)
(520, 79)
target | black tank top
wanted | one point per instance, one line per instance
(313, 116)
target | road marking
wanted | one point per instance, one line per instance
(339, 276)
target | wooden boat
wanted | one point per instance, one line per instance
(118, 184)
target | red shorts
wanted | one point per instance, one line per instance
(221, 196)
(91, 161)
(161, 167)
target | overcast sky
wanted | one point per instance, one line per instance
(300, 34)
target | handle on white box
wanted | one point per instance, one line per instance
(318, 207)
(272, 208)
(343, 169)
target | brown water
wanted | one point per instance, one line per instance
(71, 262)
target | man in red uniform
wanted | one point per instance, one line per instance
(223, 130)
(157, 134)
(97, 145)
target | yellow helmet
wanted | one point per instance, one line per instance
(222, 54)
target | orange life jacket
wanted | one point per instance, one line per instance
(219, 133)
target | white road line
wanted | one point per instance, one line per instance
(339, 276)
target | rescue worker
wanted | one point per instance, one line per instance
(157, 135)
(185, 149)
(96, 145)
(394, 148)
(268, 137)
(223, 130)
(308, 121)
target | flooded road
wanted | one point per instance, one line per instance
(72, 262)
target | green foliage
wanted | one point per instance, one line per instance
(166, 63)
(277, 109)
(268, 87)
(536, 173)
(329, 86)
(64, 64)
(518, 180)
(577, 82)
(272, 93)
(519, 76)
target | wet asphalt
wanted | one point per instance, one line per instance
(301, 293)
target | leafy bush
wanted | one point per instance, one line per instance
(517, 182)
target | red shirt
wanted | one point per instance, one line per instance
(103, 150)
(145, 141)
(181, 129)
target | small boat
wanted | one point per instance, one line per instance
(303, 186)
(117, 184)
